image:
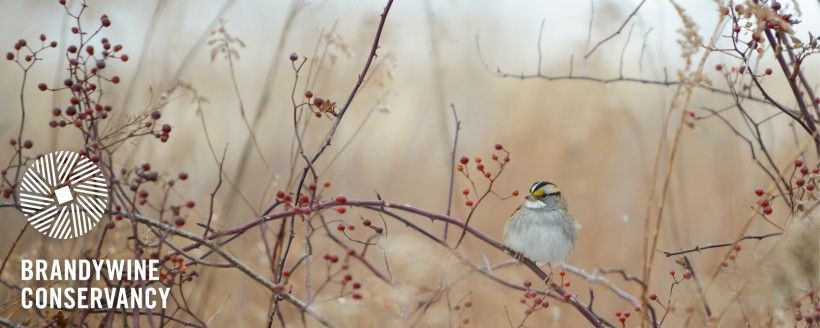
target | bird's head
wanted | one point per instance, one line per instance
(542, 190)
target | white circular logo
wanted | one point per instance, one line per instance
(63, 195)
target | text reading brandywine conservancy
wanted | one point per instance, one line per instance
(137, 274)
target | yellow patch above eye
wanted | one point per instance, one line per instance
(538, 193)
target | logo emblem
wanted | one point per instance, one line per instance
(63, 195)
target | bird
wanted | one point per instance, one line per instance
(542, 229)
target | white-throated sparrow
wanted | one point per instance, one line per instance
(542, 229)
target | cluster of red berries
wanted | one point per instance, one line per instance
(462, 306)
(355, 285)
(85, 66)
(481, 168)
(31, 53)
(346, 279)
(303, 203)
(532, 300)
(143, 174)
(763, 201)
(320, 106)
(732, 255)
(806, 180)
(813, 315)
(741, 69)
(622, 316)
(331, 258)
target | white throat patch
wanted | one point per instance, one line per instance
(534, 204)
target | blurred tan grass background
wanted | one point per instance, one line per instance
(598, 142)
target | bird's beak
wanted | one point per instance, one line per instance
(531, 198)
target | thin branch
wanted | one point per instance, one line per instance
(452, 167)
(710, 246)
(628, 18)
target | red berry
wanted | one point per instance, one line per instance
(759, 191)
(804, 170)
(10, 56)
(798, 163)
(768, 71)
(318, 102)
(75, 30)
(341, 200)
(53, 44)
(308, 94)
(527, 283)
(366, 222)
(115, 79)
(775, 6)
(687, 275)
(28, 144)
(653, 297)
(179, 222)
(515, 193)
(466, 191)
(123, 57)
(341, 210)
(800, 182)
(42, 87)
(469, 203)
(357, 296)
(341, 227)
(190, 204)
(293, 57)
(767, 210)
(499, 147)
(357, 285)
(464, 160)
(719, 67)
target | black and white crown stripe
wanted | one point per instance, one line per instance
(89, 195)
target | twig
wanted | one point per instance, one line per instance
(11, 324)
(635, 11)
(302, 306)
(710, 246)
(11, 249)
(452, 167)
